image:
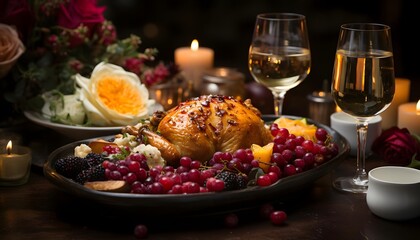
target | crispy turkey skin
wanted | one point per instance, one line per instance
(201, 126)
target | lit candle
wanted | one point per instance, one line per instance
(409, 117)
(193, 61)
(402, 93)
(15, 165)
(194, 57)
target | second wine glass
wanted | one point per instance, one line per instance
(279, 55)
(363, 85)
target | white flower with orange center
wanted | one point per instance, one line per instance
(113, 96)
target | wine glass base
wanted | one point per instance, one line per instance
(347, 184)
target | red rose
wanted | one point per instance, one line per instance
(77, 12)
(18, 13)
(396, 146)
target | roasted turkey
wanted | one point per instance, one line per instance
(201, 126)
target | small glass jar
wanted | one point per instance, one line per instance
(321, 106)
(223, 81)
(169, 94)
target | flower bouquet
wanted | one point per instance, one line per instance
(64, 38)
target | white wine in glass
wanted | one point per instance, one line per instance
(279, 55)
(363, 86)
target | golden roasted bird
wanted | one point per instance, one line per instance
(201, 126)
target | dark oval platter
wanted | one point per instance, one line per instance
(200, 203)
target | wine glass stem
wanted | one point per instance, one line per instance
(278, 102)
(361, 177)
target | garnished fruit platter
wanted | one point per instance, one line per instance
(208, 199)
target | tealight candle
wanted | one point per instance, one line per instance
(402, 93)
(409, 117)
(15, 165)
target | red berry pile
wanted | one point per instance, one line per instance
(224, 171)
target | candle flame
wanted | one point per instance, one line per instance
(224, 72)
(194, 45)
(418, 107)
(9, 147)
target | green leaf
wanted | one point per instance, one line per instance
(417, 137)
(253, 176)
(414, 162)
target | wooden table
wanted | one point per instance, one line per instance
(39, 210)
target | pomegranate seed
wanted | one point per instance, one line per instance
(231, 220)
(140, 231)
(278, 217)
(273, 177)
(263, 180)
(266, 210)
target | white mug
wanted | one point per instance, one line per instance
(394, 192)
(345, 124)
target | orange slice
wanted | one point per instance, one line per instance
(263, 155)
(298, 127)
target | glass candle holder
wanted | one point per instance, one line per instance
(321, 106)
(169, 94)
(15, 165)
(223, 81)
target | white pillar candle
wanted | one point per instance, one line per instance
(193, 61)
(409, 117)
(194, 57)
(402, 93)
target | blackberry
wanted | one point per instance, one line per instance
(242, 181)
(230, 179)
(94, 159)
(70, 166)
(95, 173)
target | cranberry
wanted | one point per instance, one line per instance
(278, 217)
(140, 231)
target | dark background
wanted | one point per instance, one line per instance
(227, 26)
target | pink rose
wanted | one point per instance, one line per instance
(78, 12)
(10, 48)
(396, 146)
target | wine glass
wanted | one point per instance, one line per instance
(279, 56)
(363, 85)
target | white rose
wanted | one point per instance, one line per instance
(113, 96)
